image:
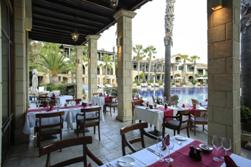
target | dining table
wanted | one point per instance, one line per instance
(154, 116)
(69, 116)
(152, 156)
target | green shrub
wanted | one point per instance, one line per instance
(245, 113)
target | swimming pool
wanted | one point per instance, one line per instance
(185, 94)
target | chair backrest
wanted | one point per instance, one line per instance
(128, 143)
(198, 113)
(184, 116)
(41, 116)
(89, 110)
(69, 143)
(137, 102)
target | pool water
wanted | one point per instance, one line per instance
(185, 94)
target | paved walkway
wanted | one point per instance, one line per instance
(108, 148)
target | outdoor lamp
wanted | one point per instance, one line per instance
(114, 3)
(217, 4)
(74, 36)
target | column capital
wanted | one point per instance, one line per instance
(92, 37)
(125, 13)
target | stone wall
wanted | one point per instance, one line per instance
(20, 70)
(224, 72)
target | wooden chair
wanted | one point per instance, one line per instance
(112, 103)
(43, 130)
(199, 117)
(135, 103)
(89, 117)
(47, 150)
(128, 143)
(177, 123)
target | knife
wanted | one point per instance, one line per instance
(152, 151)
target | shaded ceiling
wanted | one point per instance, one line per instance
(55, 20)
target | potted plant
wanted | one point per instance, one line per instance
(246, 119)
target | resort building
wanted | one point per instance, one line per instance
(188, 73)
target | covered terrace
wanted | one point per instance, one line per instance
(55, 21)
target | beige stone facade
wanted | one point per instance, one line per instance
(197, 72)
(92, 65)
(124, 44)
(20, 68)
(224, 72)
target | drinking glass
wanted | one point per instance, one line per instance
(226, 143)
(217, 144)
(169, 160)
(159, 147)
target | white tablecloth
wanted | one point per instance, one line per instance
(99, 101)
(63, 99)
(152, 116)
(145, 158)
(69, 118)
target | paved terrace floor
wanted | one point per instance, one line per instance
(108, 148)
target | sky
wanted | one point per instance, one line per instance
(189, 32)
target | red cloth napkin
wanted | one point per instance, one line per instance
(167, 112)
(182, 159)
(108, 99)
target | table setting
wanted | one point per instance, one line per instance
(70, 107)
(179, 151)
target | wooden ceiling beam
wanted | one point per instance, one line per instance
(89, 6)
(52, 5)
(55, 40)
(59, 27)
(53, 13)
(63, 22)
(36, 27)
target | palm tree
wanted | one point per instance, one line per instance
(139, 55)
(246, 52)
(107, 59)
(34, 53)
(52, 61)
(185, 58)
(169, 18)
(150, 51)
(194, 59)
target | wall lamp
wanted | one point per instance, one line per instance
(217, 4)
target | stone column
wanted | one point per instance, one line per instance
(92, 64)
(224, 72)
(124, 44)
(79, 72)
(20, 70)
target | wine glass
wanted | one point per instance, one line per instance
(226, 143)
(159, 147)
(169, 160)
(217, 144)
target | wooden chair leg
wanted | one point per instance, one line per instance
(163, 132)
(94, 129)
(188, 135)
(178, 131)
(174, 132)
(60, 138)
(111, 110)
(99, 132)
(203, 127)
